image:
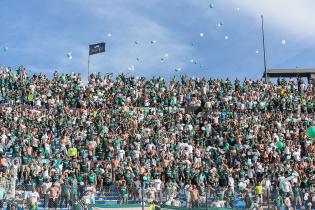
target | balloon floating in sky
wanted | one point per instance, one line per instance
(109, 34)
(132, 68)
(166, 54)
(5, 49)
(220, 24)
(201, 34)
(238, 9)
(200, 66)
(226, 37)
(136, 42)
(211, 5)
(69, 55)
(162, 60)
(153, 42)
(193, 44)
(178, 69)
(192, 60)
(310, 132)
(138, 59)
(257, 51)
(283, 42)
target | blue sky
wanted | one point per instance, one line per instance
(39, 34)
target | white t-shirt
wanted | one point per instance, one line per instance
(33, 197)
(136, 154)
(287, 187)
(157, 184)
(121, 154)
(46, 186)
(231, 181)
(149, 147)
(38, 102)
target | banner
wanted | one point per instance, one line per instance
(120, 208)
(97, 48)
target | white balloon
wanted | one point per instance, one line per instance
(109, 34)
(283, 42)
(132, 68)
(178, 69)
(226, 37)
(257, 51)
(201, 34)
(166, 54)
(192, 60)
(238, 9)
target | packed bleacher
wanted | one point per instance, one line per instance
(186, 142)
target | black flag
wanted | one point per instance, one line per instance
(97, 48)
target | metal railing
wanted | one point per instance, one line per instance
(88, 196)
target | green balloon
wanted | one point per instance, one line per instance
(211, 5)
(5, 49)
(280, 145)
(311, 132)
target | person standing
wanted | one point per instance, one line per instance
(54, 193)
(259, 193)
(297, 196)
(33, 199)
(278, 201)
(2, 195)
(195, 197)
(157, 184)
(65, 193)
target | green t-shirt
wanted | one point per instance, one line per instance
(123, 191)
(116, 143)
(40, 180)
(296, 191)
(80, 179)
(2, 193)
(84, 167)
(16, 148)
(64, 189)
(278, 201)
(91, 178)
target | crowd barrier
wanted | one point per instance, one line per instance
(137, 207)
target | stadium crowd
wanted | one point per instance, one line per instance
(64, 141)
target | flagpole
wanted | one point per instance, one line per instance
(89, 68)
(264, 46)
(95, 49)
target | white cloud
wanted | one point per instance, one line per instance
(295, 17)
